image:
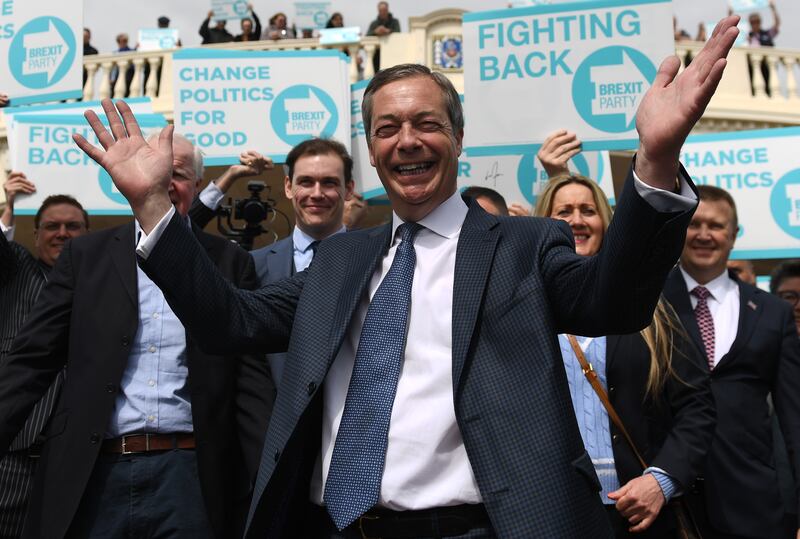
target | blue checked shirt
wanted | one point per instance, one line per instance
(154, 393)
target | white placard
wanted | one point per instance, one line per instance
(225, 10)
(761, 171)
(41, 51)
(156, 39)
(582, 66)
(139, 105)
(268, 101)
(334, 36)
(311, 15)
(47, 154)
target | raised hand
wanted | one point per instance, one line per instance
(16, 184)
(556, 151)
(141, 171)
(252, 163)
(675, 103)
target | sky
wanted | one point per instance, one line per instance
(107, 18)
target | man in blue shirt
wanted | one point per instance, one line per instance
(144, 440)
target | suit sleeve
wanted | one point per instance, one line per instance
(219, 316)
(39, 352)
(785, 394)
(200, 214)
(256, 392)
(691, 404)
(615, 291)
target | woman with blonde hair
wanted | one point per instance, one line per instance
(655, 380)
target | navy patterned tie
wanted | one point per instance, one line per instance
(359, 454)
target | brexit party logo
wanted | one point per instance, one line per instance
(42, 52)
(609, 85)
(785, 203)
(532, 178)
(302, 112)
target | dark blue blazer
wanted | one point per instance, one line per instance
(517, 284)
(741, 486)
(273, 263)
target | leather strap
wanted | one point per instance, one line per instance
(594, 381)
(145, 443)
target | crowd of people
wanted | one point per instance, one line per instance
(464, 370)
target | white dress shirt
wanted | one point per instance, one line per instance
(8, 231)
(724, 307)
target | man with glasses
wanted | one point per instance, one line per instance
(785, 283)
(59, 218)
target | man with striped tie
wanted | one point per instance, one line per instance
(59, 218)
(750, 341)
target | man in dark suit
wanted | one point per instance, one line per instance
(59, 218)
(144, 439)
(751, 347)
(446, 445)
(318, 182)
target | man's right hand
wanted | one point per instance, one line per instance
(141, 171)
(556, 151)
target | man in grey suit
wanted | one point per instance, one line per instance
(318, 182)
(59, 218)
(438, 409)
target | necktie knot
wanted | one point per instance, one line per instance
(701, 292)
(408, 231)
(314, 245)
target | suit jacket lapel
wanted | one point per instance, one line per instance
(678, 296)
(123, 253)
(474, 257)
(282, 262)
(365, 258)
(612, 341)
(749, 313)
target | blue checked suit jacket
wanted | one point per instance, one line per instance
(517, 284)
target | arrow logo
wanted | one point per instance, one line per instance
(306, 116)
(618, 88)
(44, 52)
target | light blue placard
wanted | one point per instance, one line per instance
(311, 15)
(82, 105)
(155, 39)
(44, 98)
(745, 6)
(225, 10)
(335, 36)
(144, 120)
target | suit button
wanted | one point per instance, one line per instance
(94, 438)
(125, 341)
(611, 389)
(312, 387)
(110, 388)
(615, 438)
(277, 455)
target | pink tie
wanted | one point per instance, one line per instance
(705, 322)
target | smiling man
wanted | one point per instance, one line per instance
(425, 394)
(750, 342)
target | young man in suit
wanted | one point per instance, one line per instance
(751, 346)
(144, 438)
(319, 181)
(445, 445)
(59, 218)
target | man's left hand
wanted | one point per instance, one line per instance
(674, 103)
(639, 501)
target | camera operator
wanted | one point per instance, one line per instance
(204, 207)
(319, 180)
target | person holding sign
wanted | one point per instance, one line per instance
(217, 34)
(475, 434)
(654, 380)
(250, 33)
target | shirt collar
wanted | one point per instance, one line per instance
(718, 286)
(445, 220)
(137, 228)
(303, 241)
